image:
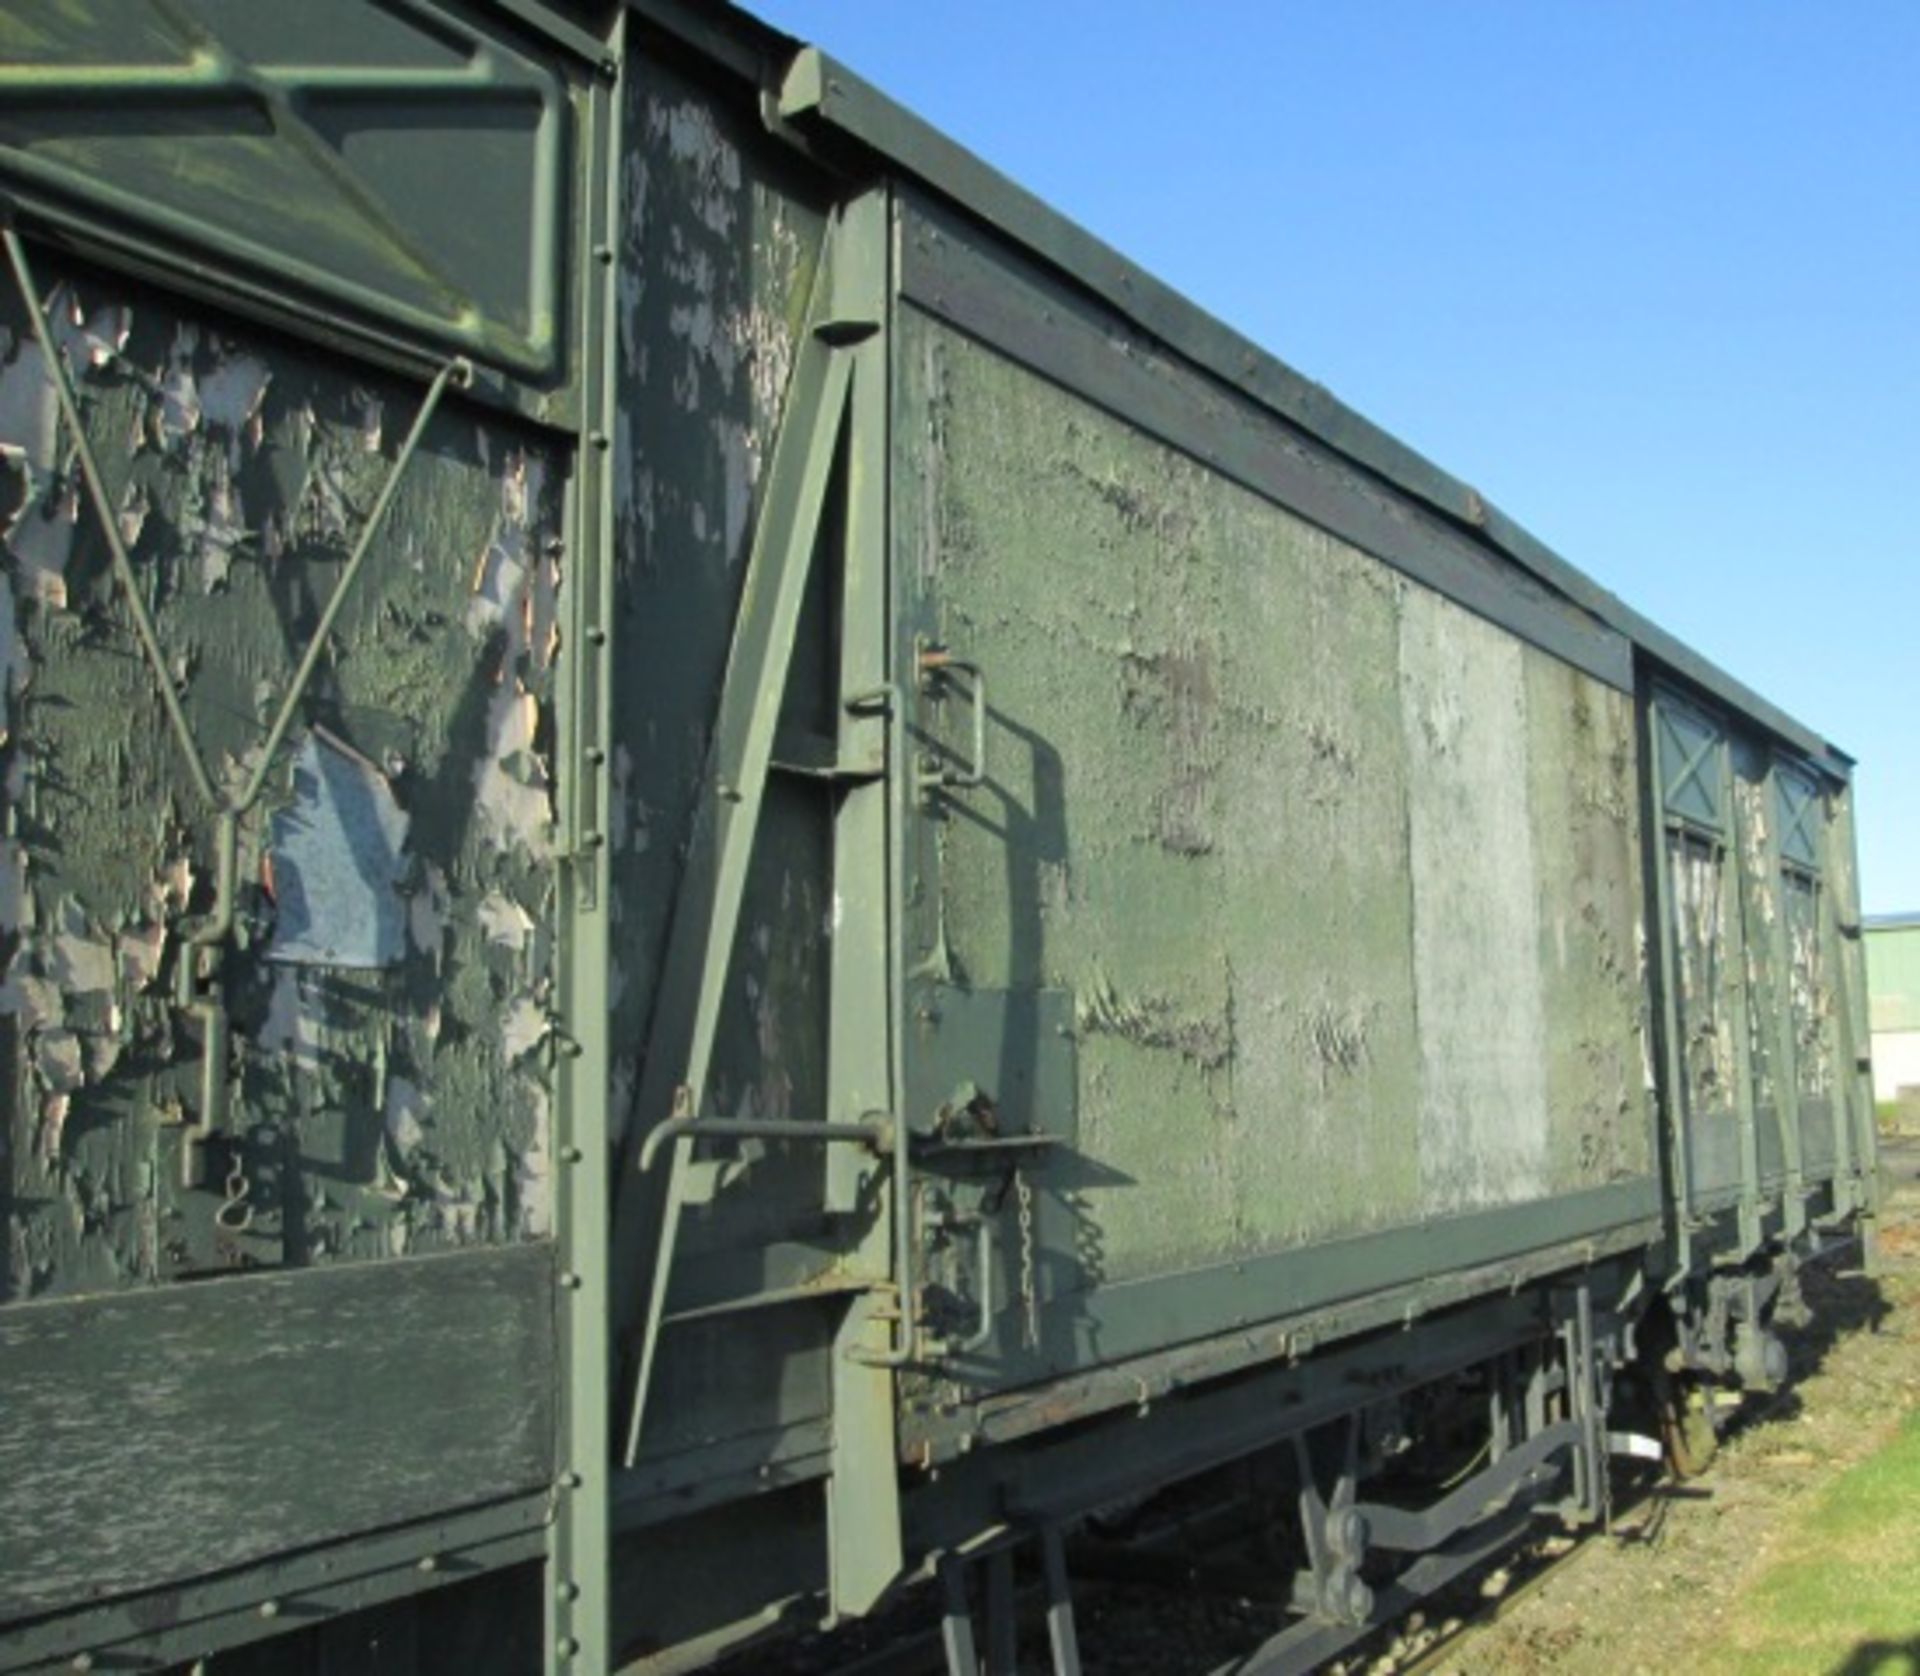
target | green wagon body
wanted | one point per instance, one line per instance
(1188, 911)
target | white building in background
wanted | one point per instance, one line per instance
(1893, 987)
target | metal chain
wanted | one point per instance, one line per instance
(236, 1211)
(1029, 1292)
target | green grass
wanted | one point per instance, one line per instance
(1842, 1594)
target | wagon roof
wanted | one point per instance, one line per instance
(832, 106)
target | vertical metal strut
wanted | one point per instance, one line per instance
(579, 1569)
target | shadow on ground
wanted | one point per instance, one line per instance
(1882, 1658)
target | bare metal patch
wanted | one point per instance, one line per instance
(338, 862)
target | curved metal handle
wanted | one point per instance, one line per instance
(934, 662)
(983, 1262)
(984, 1306)
(877, 1136)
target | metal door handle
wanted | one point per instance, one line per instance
(933, 664)
(985, 1308)
(983, 1262)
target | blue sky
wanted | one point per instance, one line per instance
(1646, 274)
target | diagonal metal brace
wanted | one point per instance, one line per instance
(680, 1040)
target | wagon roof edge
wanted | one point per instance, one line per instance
(813, 90)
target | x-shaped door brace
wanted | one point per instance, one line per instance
(1694, 758)
(1799, 807)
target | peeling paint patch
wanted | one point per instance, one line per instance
(427, 912)
(406, 1106)
(15, 903)
(29, 409)
(211, 524)
(57, 1059)
(232, 395)
(1696, 880)
(1809, 989)
(533, 1182)
(523, 1029)
(35, 1001)
(514, 601)
(140, 952)
(337, 862)
(740, 461)
(14, 663)
(505, 922)
(694, 141)
(511, 787)
(295, 1018)
(41, 542)
(1156, 1022)
(244, 467)
(1336, 1036)
(82, 963)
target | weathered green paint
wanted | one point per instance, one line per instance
(678, 1057)
(1853, 1069)
(1222, 741)
(1765, 1110)
(1697, 909)
(717, 250)
(864, 1549)
(144, 1442)
(477, 1610)
(949, 270)
(1281, 981)
(394, 1103)
(1893, 972)
(1584, 765)
(1768, 943)
(719, 241)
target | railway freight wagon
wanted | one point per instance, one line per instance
(738, 886)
